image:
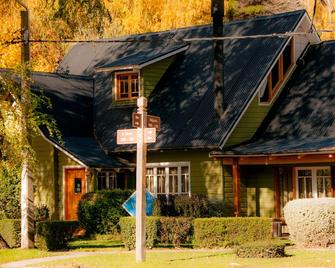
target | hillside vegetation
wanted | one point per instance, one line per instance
(91, 19)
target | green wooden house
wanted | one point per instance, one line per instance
(226, 157)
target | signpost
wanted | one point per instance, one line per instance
(145, 133)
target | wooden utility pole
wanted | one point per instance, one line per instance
(27, 196)
(217, 14)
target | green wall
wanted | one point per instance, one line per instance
(206, 174)
(249, 123)
(258, 192)
(48, 176)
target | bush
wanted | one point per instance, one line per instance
(223, 232)
(175, 230)
(195, 206)
(10, 230)
(99, 212)
(10, 187)
(128, 231)
(261, 249)
(54, 235)
(311, 222)
(41, 213)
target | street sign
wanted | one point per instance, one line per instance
(130, 204)
(137, 119)
(126, 136)
(149, 135)
(154, 121)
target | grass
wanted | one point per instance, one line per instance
(10, 255)
(198, 259)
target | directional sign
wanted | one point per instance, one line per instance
(154, 121)
(149, 135)
(126, 136)
(130, 204)
(137, 119)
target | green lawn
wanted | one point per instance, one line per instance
(9, 255)
(200, 259)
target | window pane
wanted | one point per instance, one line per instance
(101, 180)
(112, 180)
(173, 180)
(134, 85)
(304, 172)
(150, 180)
(301, 187)
(161, 180)
(309, 192)
(320, 188)
(328, 187)
(184, 180)
(275, 75)
(287, 59)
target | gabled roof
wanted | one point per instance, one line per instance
(143, 58)
(184, 97)
(303, 120)
(72, 108)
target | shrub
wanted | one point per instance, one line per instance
(195, 206)
(54, 235)
(216, 209)
(261, 249)
(41, 213)
(128, 231)
(99, 212)
(175, 230)
(164, 206)
(223, 232)
(10, 230)
(311, 222)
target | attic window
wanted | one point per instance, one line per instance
(278, 74)
(127, 86)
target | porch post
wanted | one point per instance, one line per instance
(276, 193)
(236, 187)
(332, 176)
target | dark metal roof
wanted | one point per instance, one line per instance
(303, 119)
(136, 60)
(184, 97)
(72, 97)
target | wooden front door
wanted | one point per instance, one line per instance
(75, 187)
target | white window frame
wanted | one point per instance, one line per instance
(116, 82)
(314, 179)
(108, 173)
(167, 166)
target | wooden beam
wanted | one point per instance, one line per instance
(277, 193)
(277, 160)
(236, 188)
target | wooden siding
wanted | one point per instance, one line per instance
(206, 174)
(249, 123)
(153, 73)
(259, 192)
(43, 175)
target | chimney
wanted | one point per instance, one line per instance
(217, 14)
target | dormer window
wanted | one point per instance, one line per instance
(278, 74)
(127, 86)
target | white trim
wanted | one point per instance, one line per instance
(138, 82)
(211, 155)
(140, 66)
(63, 186)
(62, 150)
(313, 176)
(260, 84)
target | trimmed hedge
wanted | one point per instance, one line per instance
(311, 222)
(261, 249)
(175, 230)
(10, 230)
(100, 212)
(54, 235)
(128, 231)
(224, 232)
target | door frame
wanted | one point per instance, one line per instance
(64, 181)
